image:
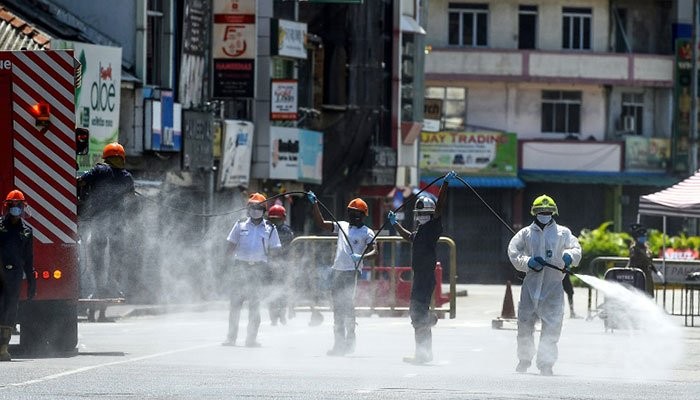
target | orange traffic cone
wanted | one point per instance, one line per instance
(508, 310)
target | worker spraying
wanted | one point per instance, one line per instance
(545, 251)
(428, 228)
(355, 242)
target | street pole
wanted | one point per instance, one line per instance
(693, 150)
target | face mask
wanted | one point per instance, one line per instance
(642, 239)
(422, 219)
(544, 219)
(255, 213)
(355, 220)
(15, 211)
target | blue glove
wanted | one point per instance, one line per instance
(450, 176)
(540, 261)
(567, 261)
(534, 265)
(312, 197)
(392, 218)
(356, 257)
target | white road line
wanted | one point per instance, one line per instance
(109, 364)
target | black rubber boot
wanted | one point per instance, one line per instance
(339, 346)
(424, 346)
(350, 325)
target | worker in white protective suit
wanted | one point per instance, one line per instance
(542, 250)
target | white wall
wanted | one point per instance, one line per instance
(518, 108)
(503, 23)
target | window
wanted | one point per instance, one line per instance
(561, 112)
(454, 106)
(468, 24)
(154, 46)
(527, 27)
(577, 28)
(631, 117)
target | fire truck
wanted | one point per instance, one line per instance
(38, 157)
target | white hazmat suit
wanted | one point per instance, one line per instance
(542, 295)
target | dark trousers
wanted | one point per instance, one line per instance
(421, 295)
(9, 295)
(245, 283)
(343, 295)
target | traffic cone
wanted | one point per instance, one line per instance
(508, 310)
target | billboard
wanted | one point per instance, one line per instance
(471, 153)
(97, 96)
(234, 48)
(296, 154)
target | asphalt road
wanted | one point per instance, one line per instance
(178, 355)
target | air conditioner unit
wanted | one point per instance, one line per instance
(629, 123)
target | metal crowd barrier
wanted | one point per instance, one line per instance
(383, 277)
(677, 295)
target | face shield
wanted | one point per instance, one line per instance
(13, 208)
(421, 218)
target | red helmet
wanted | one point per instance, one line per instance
(359, 205)
(256, 198)
(277, 211)
(15, 195)
(113, 150)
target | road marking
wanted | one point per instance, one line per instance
(109, 364)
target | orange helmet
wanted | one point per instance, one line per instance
(256, 198)
(15, 195)
(113, 150)
(359, 205)
(277, 211)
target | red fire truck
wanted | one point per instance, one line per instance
(38, 157)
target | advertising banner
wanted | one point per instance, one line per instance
(198, 140)
(473, 153)
(283, 100)
(646, 154)
(97, 97)
(234, 46)
(237, 153)
(284, 153)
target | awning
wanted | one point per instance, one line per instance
(679, 200)
(599, 178)
(503, 182)
(409, 24)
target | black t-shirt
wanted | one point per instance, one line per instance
(424, 252)
(16, 246)
(106, 190)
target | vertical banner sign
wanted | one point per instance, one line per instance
(197, 147)
(195, 43)
(166, 128)
(682, 93)
(97, 97)
(283, 101)
(237, 152)
(291, 39)
(234, 48)
(310, 156)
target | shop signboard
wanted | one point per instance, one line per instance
(234, 48)
(471, 153)
(237, 153)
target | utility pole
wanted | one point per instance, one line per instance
(693, 139)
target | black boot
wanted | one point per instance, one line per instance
(5, 335)
(424, 347)
(350, 337)
(339, 346)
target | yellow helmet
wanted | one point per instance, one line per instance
(542, 204)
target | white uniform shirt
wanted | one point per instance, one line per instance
(252, 241)
(359, 237)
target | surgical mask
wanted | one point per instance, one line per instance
(422, 219)
(544, 219)
(15, 211)
(255, 213)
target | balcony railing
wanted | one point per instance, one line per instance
(449, 64)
